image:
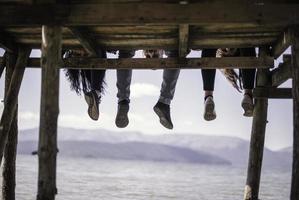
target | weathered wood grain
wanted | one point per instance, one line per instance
(47, 147)
(139, 42)
(281, 74)
(159, 63)
(283, 42)
(257, 136)
(295, 68)
(10, 151)
(183, 40)
(12, 96)
(149, 13)
(272, 93)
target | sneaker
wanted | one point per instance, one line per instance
(209, 109)
(92, 101)
(247, 105)
(122, 120)
(163, 112)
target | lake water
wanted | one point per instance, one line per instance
(95, 179)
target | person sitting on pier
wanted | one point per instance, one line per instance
(208, 76)
(162, 107)
(90, 82)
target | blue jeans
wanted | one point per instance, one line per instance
(124, 76)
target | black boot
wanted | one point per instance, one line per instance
(122, 120)
(163, 112)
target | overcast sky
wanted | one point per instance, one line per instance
(186, 108)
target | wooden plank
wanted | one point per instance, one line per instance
(149, 13)
(283, 42)
(272, 93)
(295, 61)
(160, 63)
(212, 41)
(137, 29)
(9, 164)
(86, 41)
(183, 40)
(136, 42)
(230, 29)
(281, 74)
(11, 99)
(7, 43)
(17, 1)
(47, 147)
(257, 136)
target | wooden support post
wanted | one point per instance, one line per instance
(295, 64)
(281, 74)
(47, 148)
(183, 40)
(11, 97)
(9, 164)
(257, 136)
(283, 42)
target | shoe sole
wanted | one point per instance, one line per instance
(121, 121)
(92, 110)
(248, 109)
(163, 120)
(210, 114)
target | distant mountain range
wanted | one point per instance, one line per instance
(190, 148)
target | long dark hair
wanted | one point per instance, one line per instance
(83, 80)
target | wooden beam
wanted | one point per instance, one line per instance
(11, 98)
(295, 69)
(283, 42)
(257, 136)
(7, 43)
(160, 63)
(129, 42)
(272, 93)
(86, 41)
(149, 13)
(281, 74)
(9, 164)
(47, 148)
(17, 1)
(183, 40)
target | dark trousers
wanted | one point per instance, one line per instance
(96, 77)
(248, 75)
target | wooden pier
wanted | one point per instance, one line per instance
(272, 26)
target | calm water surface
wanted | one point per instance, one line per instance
(83, 178)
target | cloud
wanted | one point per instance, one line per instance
(144, 89)
(29, 116)
(137, 117)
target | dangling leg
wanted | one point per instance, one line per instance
(123, 84)
(208, 77)
(162, 108)
(93, 88)
(248, 76)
